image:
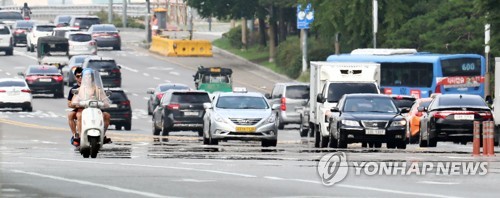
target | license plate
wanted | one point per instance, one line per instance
(113, 106)
(13, 93)
(245, 129)
(375, 131)
(45, 80)
(191, 113)
(464, 117)
(104, 73)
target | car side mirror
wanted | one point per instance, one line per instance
(119, 66)
(268, 96)
(320, 98)
(20, 73)
(335, 109)
(404, 110)
(150, 91)
(422, 109)
(207, 105)
(108, 93)
(276, 106)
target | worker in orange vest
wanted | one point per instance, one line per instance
(154, 25)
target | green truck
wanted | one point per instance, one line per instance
(213, 79)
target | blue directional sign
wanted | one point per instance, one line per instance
(304, 17)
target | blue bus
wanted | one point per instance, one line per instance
(408, 72)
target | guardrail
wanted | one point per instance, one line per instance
(50, 12)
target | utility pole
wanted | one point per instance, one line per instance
(190, 18)
(375, 22)
(147, 20)
(124, 17)
(110, 11)
(487, 55)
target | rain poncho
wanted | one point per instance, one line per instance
(91, 89)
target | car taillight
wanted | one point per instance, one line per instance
(125, 103)
(486, 115)
(159, 96)
(173, 106)
(26, 91)
(115, 71)
(19, 31)
(2, 91)
(283, 104)
(57, 78)
(92, 43)
(116, 35)
(31, 78)
(442, 114)
(95, 35)
(77, 27)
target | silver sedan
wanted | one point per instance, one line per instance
(240, 116)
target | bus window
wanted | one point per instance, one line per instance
(461, 67)
(406, 74)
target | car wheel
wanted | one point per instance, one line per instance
(402, 145)
(9, 52)
(324, 141)
(128, 126)
(27, 108)
(279, 122)
(342, 141)
(32, 48)
(333, 141)
(391, 145)
(156, 131)
(317, 137)
(150, 112)
(212, 141)
(269, 143)
(364, 144)
(118, 127)
(377, 144)
(432, 142)
(205, 140)
(200, 133)
(27, 47)
(303, 130)
(117, 47)
(165, 130)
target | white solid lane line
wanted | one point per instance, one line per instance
(439, 183)
(145, 74)
(114, 188)
(128, 68)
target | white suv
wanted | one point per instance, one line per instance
(37, 32)
(6, 43)
(81, 43)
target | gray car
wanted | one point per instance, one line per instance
(106, 35)
(290, 97)
(239, 116)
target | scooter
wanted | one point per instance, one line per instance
(92, 132)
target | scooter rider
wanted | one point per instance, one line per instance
(26, 12)
(72, 118)
(90, 90)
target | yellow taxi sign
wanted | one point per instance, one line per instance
(215, 69)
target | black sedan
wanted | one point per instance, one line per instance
(119, 109)
(44, 79)
(19, 31)
(157, 93)
(367, 118)
(451, 117)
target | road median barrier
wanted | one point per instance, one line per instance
(185, 48)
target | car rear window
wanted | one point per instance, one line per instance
(44, 70)
(80, 37)
(190, 98)
(11, 15)
(4, 30)
(169, 87)
(404, 103)
(425, 104)
(86, 21)
(42, 28)
(80, 60)
(12, 84)
(297, 92)
(118, 96)
(24, 24)
(63, 19)
(108, 64)
(104, 28)
(337, 90)
(449, 101)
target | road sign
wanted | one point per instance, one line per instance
(304, 17)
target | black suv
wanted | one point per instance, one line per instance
(180, 110)
(121, 113)
(110, 72)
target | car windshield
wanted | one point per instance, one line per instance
(169, 87)
(12, 84)
(241, 102)
(215, 79)
(11, 15)
(370, 104)
(86, 21)
(297, 92)
(404, 103)
(41, 28)
(190, 98)
(44, 70)
(104, 28)
(424, 104)
(337, 90)
(80, 37)
(118, 96)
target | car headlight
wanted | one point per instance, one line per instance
(350, 123)
(398, 123)
(219, 118)
(271, 118)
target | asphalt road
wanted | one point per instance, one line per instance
(36, 159)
